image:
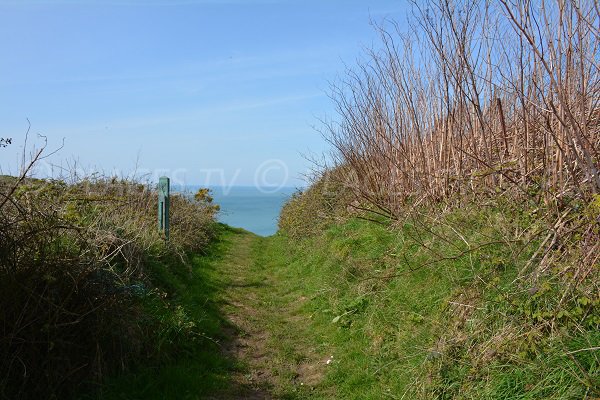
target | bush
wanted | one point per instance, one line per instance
(74, 278)
(306, 213)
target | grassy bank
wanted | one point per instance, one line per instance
(448, 310)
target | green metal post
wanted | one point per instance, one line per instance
(163, 205)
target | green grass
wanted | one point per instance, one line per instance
(191, 366)
(360, 312)
(460, 328)
(377, 330)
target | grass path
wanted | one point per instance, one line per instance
(291, 321)
(253, 343)
(245, 338)
(265, 334)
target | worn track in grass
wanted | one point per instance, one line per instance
(261, 310)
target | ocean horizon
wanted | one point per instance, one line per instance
(247, 207)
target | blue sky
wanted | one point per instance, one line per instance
(205, 91)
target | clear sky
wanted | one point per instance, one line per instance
(218, 92)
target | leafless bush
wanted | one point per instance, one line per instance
(479, 96)
(479, 99)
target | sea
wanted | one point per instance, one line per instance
(248, 207)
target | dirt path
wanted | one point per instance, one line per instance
(253, 336)
(261, 311)
(246, 341)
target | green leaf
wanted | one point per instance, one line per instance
(584, 301)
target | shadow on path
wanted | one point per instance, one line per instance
(216, 296)
(243, 344)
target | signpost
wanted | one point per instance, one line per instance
(163, 205)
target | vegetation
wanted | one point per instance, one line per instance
(476, 97)
(200, 367)
(83, 280)
(451, 249)
(356, 310)
(471, 144)
(324, 203)
(445, 310)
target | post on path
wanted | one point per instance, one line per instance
(163, 205)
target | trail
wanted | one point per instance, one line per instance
(260, 308)
(254, 329)
(246, 339)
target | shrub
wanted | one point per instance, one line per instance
(306, 213)
(74, 278)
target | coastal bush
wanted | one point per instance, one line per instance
(79, 298)
(308, 212)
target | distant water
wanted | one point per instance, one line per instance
(249, 207)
